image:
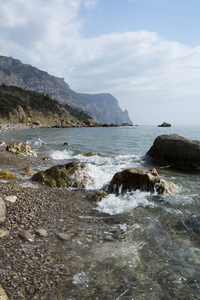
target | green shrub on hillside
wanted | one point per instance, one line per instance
(12, 96)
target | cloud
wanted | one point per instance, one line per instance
(141, 69)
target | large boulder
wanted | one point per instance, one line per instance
(144, 180)
(21, 148)
(71, 174)
(177, 152)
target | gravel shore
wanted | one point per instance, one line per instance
(37, 270)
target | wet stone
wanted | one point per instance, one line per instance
(26, 235)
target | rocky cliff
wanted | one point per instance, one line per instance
(103, 108)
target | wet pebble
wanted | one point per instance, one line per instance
(26, 235)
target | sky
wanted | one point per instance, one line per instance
(146, 53)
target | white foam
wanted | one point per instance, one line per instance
(113, 204)
(61, 155)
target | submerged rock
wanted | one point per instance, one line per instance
(92, 154)
(21, 148)
(177, 152)
(68, 175)
(144, 180)
(98, 196)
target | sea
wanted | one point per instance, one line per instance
(149, 245)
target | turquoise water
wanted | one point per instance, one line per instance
(154, 247)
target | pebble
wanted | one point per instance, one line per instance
(26, 235)
(2, 211)
(41, 232)
(3, 233)
(11, 199)
(64, 236)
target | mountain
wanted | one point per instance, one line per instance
(104, 108)
(21, 106)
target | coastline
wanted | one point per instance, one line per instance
(38, 269)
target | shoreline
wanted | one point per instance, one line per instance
(39, 269)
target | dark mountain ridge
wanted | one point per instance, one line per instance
(104, 108)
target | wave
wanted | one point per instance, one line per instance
(124, 203)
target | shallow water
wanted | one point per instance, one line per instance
(144, 246)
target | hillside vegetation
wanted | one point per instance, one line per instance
(11, 97)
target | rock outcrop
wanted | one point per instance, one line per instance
(21, 148)
(177, 152)
(104, 108)
(68, 175)
(144, 180)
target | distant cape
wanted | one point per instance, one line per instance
(104, 108)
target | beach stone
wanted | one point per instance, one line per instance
(71, 174)
(64, 236)
(2, 211)
(21, 148)
(7, 175)
(11, 199)
(145, 180)
(2, 143)
(3, 295)
(177, 152)
(26, 235)
(98, 196)
(4, 233)
(41, 232)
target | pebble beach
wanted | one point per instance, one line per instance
(35, 269)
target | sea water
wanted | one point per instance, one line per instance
(149, 245)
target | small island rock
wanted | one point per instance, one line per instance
(165, 124)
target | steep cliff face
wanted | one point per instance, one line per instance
(103, 108)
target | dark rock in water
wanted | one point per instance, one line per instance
(177, 152)
(71, 174)
(193, 223)
(145, 180)
(165, 124)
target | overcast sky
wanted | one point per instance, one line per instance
(146, 53)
